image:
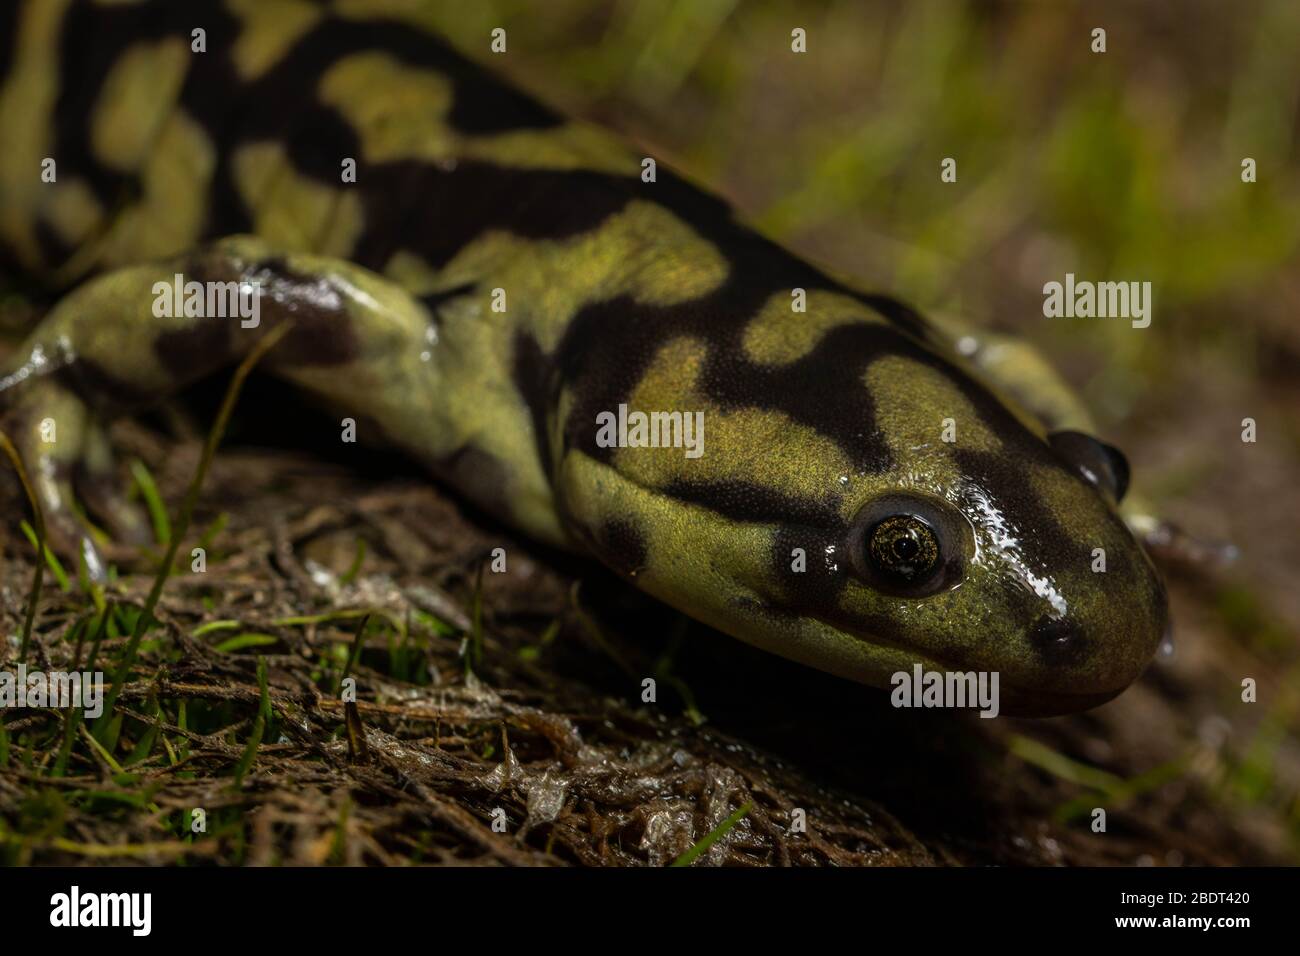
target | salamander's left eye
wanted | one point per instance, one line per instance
(908, 546)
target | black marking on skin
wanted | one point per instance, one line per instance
(621, 546)
(608, 346)
(190, 353)
(9, 265)
(897, 313)
(435, 213)
(52, 246)
(323, 332)
(482, 108)
(530, 372)
(745, 502)
(1005, 475)
(821, 583)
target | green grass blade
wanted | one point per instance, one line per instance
(250, 753)
(241, 641)
(187, 510)
(713, 836)
(51, 560)
(162, 526)
(351, 573)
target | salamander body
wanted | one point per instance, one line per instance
(607, 360)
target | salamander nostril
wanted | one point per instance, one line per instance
(1052, 632)
(1059, 640)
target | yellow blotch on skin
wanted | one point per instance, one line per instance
(477, 407)
(400, 113)
(74, 212)
(699, 580)
(270, 30)
(26, 107)
(414, 274)
(574, 145)
(1074, 504)
(170, 215)
(138, 94)
(292, 210)
(777, 335)
(913, 400)
(396, 110)
(644, 252)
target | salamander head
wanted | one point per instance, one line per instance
(882, 509)
(1014, 564)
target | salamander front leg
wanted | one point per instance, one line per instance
(53, 430)
(129, 338)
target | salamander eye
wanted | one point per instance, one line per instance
(903, 549)
(1102, 466)
(908, 546)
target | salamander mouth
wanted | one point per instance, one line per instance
(1014, 700)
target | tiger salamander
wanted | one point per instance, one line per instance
(509, 296)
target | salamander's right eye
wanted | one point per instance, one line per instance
(903, 549)
(908, 546)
